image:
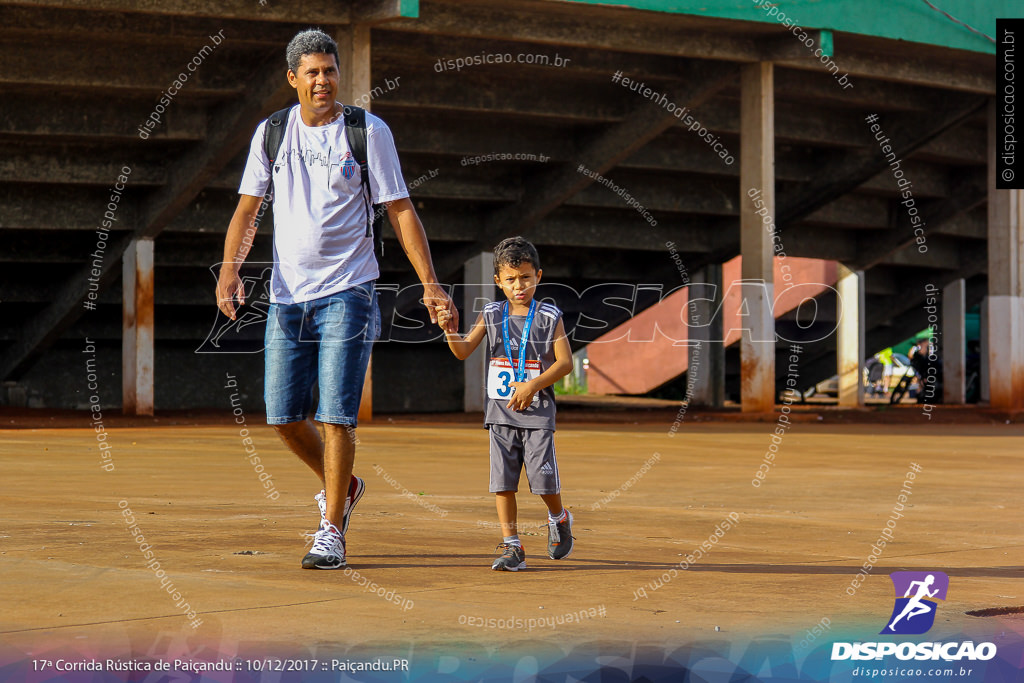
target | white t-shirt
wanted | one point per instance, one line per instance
(320, 213)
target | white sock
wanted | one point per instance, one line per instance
(513, 540)
(559, 518)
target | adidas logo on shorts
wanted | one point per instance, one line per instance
(547, 469)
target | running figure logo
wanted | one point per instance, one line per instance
(914, 612)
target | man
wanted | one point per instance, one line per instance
(323, 317)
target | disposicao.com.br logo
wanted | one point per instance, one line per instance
(913, 613)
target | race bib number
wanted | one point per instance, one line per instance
(500, 376)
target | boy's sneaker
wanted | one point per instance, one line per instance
(512, 559)
(560, 537)
(328, 551)
(356, 489)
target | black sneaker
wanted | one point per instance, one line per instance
(328, 551)
(560, 538)
(512, 558)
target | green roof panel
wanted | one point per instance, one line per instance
(910, 20)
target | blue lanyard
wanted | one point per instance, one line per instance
(520, 367)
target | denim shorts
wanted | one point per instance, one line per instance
(327, 342)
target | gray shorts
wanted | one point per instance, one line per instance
(512, 447)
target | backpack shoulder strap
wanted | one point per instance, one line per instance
(273, 133)
(355, 133)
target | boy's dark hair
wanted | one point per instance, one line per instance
(309, 42)
(513, 251)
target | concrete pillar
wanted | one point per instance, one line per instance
(137, 329)
(1005, 286)
(850, 337)
(479, 290)
(757, 193)
(354, 71)
(983, 395)
(705, 380)
(953, 343)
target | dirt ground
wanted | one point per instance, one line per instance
(644, 496)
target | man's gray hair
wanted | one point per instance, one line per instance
(310, 42)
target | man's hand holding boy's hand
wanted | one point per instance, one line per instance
(444, 318)
(436, 299)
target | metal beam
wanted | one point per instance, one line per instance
(230, 131)
(593, 29)
(968, 193)
(73, 167)
(326, 13)
(851, 169)
(810, 242)
(39, 332)
(152, 30)
(149, 77)
(943, 253)
(544, 192)
(398, 52)
(602, 28)
(566, 100)
(488, 183)
(970, 225)
(73, 208)
(946, 74)
(881, 282)
(848, 211)
(94, 120)
(802, 86)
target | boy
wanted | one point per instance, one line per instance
(527, 352)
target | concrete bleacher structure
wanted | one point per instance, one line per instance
(550, 143)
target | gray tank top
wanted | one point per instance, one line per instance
(540, 355)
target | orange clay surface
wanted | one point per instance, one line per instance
(74, 577)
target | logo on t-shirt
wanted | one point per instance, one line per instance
(348, 167)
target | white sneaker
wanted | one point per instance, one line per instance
(328, 551)
(321, 502)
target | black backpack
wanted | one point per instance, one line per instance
(355, 133)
